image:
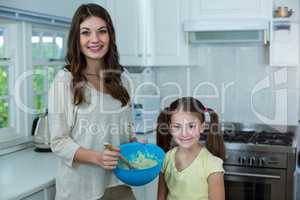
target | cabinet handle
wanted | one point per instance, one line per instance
(139, 55)
(265, 37)
(282, 27)
(252, 175)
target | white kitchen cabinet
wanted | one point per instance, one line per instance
(147, 192)
(150, 32)
(230, 9)
(284, 36)
(166, 41)
(284, 43)
(50, 193)
(40, 195)
(44, 194)
(127, 19)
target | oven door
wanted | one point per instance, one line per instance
(249, 183)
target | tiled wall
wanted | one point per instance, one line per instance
(244, 71)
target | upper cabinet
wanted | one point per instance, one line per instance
(284, 44)
(150, 32)
(284, 37)
(166, 41)
(128, 19)
(230, 9)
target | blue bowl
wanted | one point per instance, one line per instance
(138, 177)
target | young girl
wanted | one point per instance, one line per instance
(190, 170)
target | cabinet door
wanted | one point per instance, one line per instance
(36, 196)
(230, 9)
(151, 190)
(284, 46)
(50, 193)
(127, 21)
(166, 41)
(139, 192)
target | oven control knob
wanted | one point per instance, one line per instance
(252, 160)
(261, 161)
(242, 160)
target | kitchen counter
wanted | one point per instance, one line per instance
(25, 172)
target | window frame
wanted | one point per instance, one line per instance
(11, 132)
(46, 63)
(19, 42)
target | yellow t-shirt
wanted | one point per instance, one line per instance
(192, 182)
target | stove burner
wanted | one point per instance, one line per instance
(264, 137)
(241, 136)
(273, 138)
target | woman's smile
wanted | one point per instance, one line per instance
(94, 38)
(95, 48)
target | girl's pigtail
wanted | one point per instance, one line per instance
(163, 137)
(215, 142)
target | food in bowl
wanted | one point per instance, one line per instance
(140, 160)
(139, 177)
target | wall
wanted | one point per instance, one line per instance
(244, 71)
(240, 70)
(52, 7)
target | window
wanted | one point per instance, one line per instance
(48, 48)
(25, 48)
(32, 49)
(5, 97)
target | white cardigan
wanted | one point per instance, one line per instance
(101, 119)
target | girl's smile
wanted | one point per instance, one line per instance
(186, 129)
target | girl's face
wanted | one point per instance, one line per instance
(94, 38)
(185, 129)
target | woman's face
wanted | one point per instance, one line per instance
(185, 129)
(94, 38)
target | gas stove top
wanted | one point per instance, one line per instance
(273, 138)
(265, 137)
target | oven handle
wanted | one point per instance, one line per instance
(252, 175)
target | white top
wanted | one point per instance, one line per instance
(101, 119)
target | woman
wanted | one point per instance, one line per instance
(88, 106)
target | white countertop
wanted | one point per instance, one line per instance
(25, 172)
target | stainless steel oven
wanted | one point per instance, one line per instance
(254, 183)
(260, 161)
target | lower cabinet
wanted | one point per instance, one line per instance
(36, 196)
(147, 192)
(50, 193)
(44, 194)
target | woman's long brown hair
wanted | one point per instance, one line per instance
(214, 142)
(76, 62)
